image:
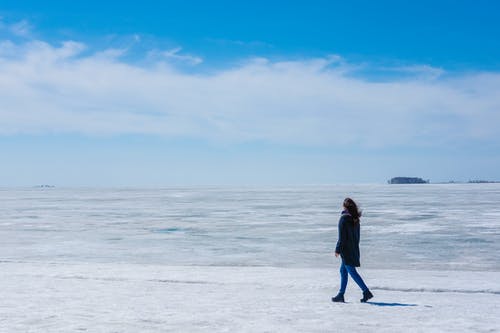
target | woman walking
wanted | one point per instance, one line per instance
(348, 249)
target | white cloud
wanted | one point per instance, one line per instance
(46, 89)
(21, 28)
(175, 55)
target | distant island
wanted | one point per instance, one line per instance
(44, 186)
(417, 180)
(483, 181)
(477, 181)
(407, 180)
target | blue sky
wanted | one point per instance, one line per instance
(257, 93)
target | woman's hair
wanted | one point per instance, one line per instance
(352, 208)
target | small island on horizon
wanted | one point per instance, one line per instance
(479, 181)
(44, 186)
(407, 180)
(418, 180)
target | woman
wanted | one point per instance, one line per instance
(348, 249)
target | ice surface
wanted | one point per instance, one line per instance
(404, 226)
(247, 259)
(44, 297)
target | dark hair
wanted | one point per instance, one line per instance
(352, 208)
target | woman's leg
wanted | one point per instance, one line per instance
(356, 277)
(343, 278)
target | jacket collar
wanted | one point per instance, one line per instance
(346, 212)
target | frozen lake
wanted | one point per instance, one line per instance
(247, 259)
(404, 226)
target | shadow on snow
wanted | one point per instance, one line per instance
(390, 304)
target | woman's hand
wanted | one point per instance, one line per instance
(337, 255)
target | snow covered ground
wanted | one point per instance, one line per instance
(112, 297)
(247, 260)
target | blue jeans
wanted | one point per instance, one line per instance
(344, 270)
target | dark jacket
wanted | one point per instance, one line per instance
(348, 243)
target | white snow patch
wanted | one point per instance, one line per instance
(61, 297)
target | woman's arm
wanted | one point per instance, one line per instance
(341, 239)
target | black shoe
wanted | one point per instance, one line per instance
(339, 298)
(366, 296)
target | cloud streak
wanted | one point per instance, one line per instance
(64, 88)
(20, 28)
(176, 56)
